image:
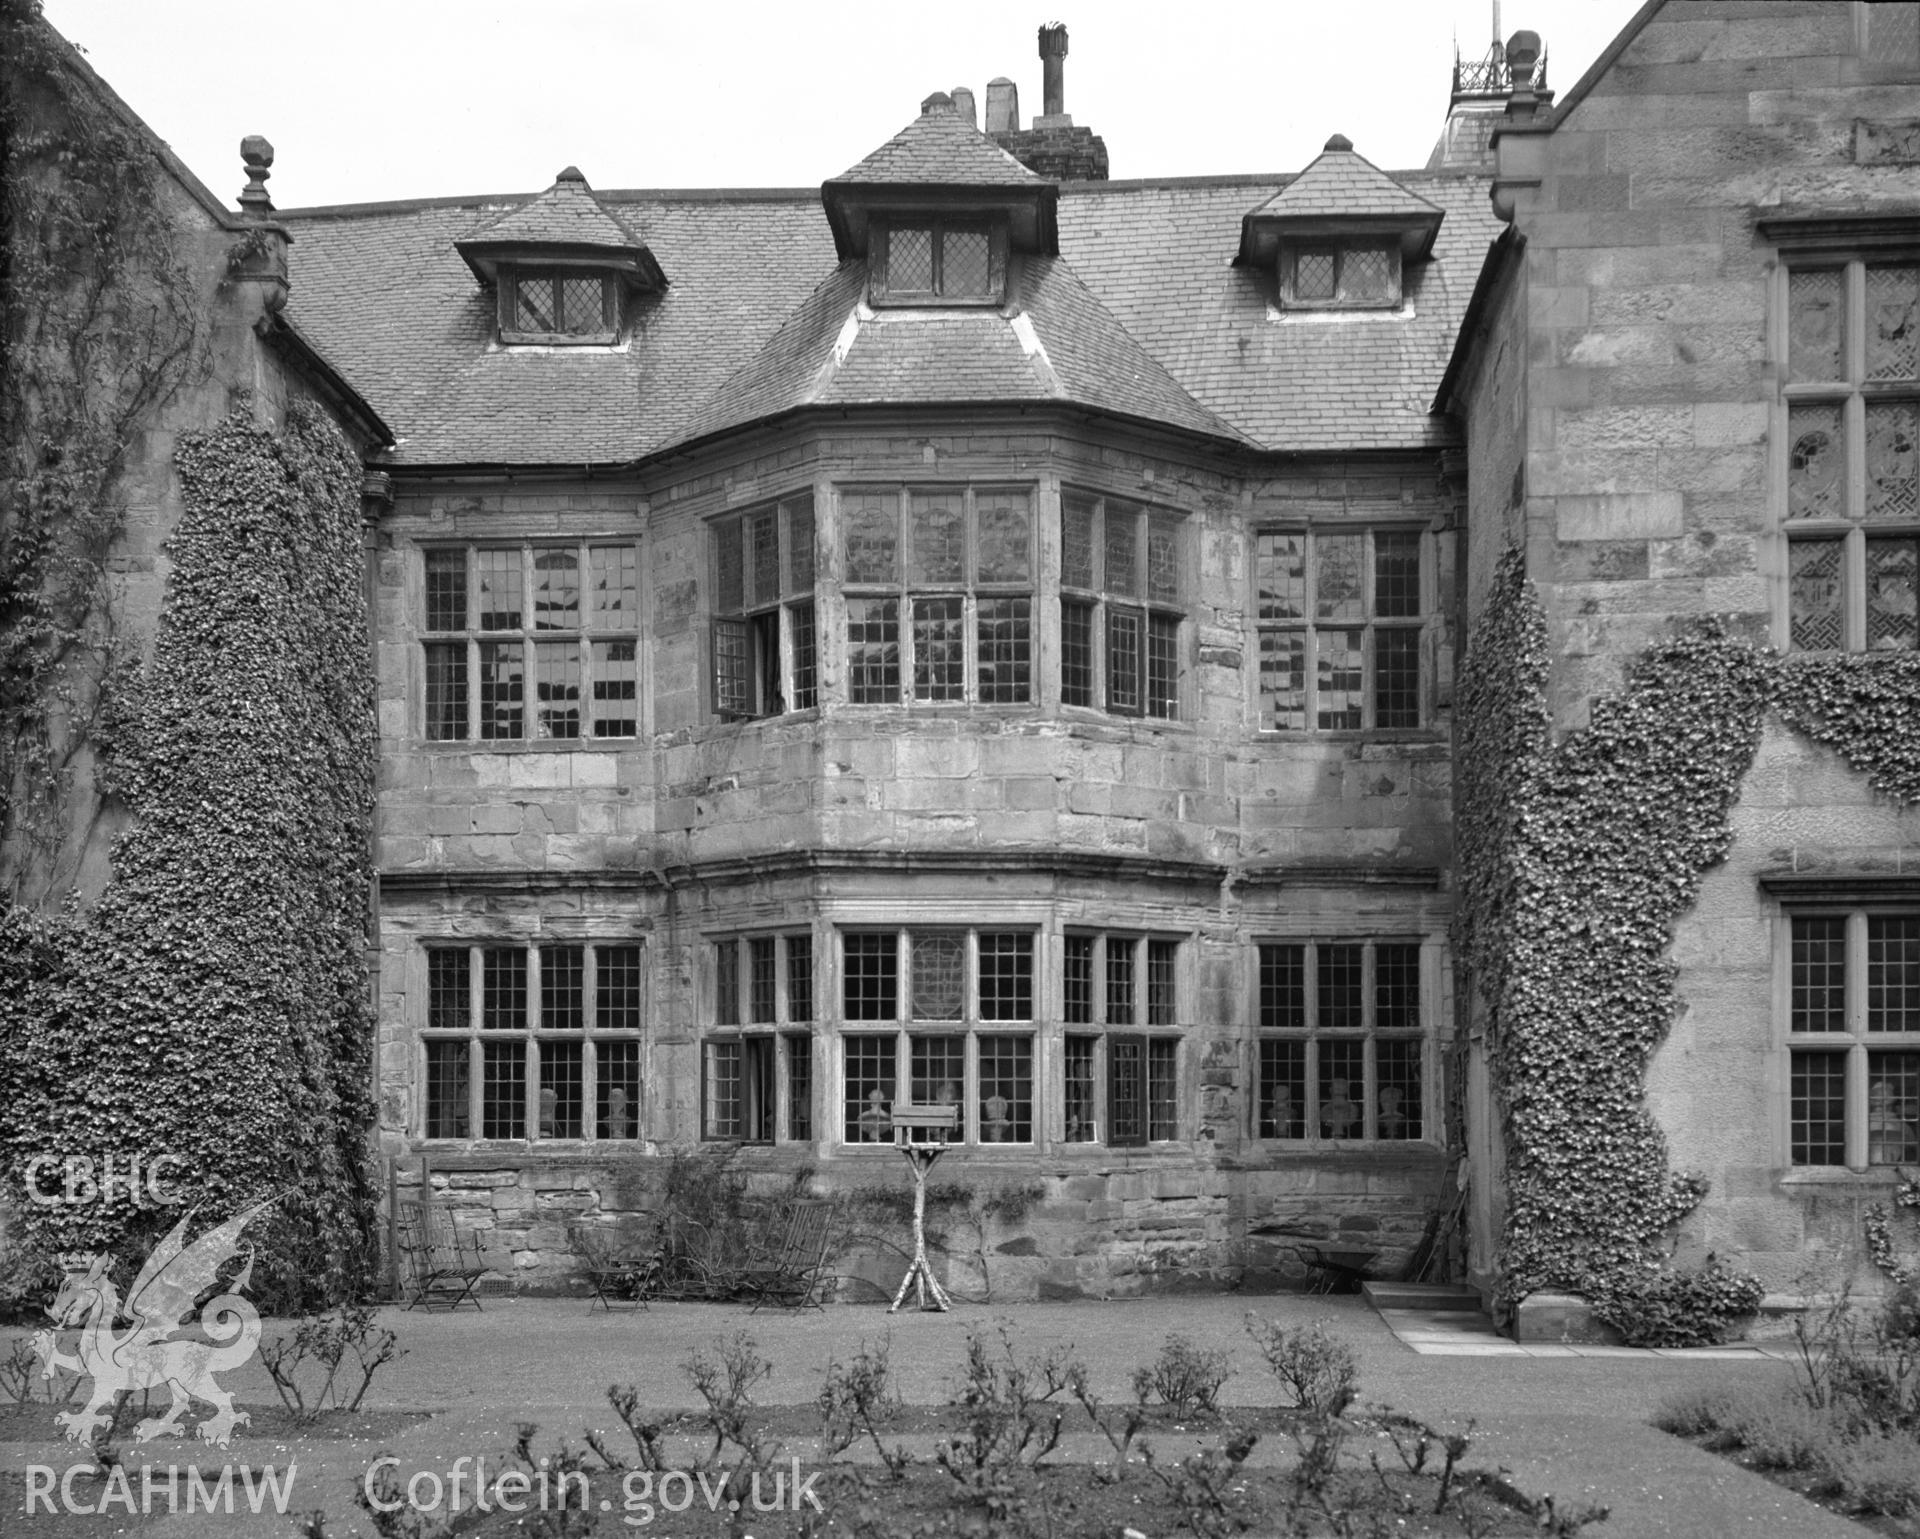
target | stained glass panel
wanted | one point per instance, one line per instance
(1893, 322)
(1814, 581)
(939, 976)
(1816, 312)
(1163, 560)
(799, 545)
(939, 536)
(1006, 537)
(1337, 590)
(1123, 539)
(1893, 466)
(1892, 568)
(729, 567)
(1076, 541)
(763, 558)
(1816, 463)
(872, 536)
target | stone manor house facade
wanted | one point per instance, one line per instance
(983, 633)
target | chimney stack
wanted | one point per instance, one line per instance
(1053, 63)
(963, 104)
(1003, 106)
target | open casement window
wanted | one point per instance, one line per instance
(1120, 607)
(938, 1017)
(1853, 1037)
(757, 1058)
(558, 305)
(938, 261)
(1120, 1006)
(533, 1042)
(1343, 617)
(765, 661)
(1340, 277)
(1853, 454)
(564, 618)
(939, 594)
(1342, 1047)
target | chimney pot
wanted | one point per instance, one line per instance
(571, 174)
(1339, 142)
(939, 103)
(964, 105)
(1003, 106)
(1053, 63)
(257, 155)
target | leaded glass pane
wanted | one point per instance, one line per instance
(1161, 1003)
(873, 651)
(582, 305)
(762, 979)
(617, 1088)
(1819, 974)
(1163, 560)
(1337, 583)
(939, 649)
(499, 589)
(502, 688)
(1366, 276)
(872, 521)
(939, 535)
(732, 668)
(1893, 1108)
(446, 590)
(556, 590)
(1816, 330)
(1893, 467)
(557, 689)
(1006, 1090)
(1082, 1118)
(1283, 681)
(871, 978)
(447, 1105)
(726, 983)
(1396, 677)
(1280, 576)
(763, 556)
(1816, 462)
(1340, 994)
(729, 567)
(867, 1110)
(1818, 1108)
(799, 1086)
(449, 1002)
(446, 690)
(1893, 972)
(1076, 653)
(616, 988)
(614, 574)
(1120, 991)
(937, 1070)
(1283, 1089)
(1817, 616)
(563, 988)
(799, 977)
(1893, 322)
(533, 307)
(1122, 546)
(1077, 979)
(1006, 650)
(1006, 977)
(1124, 641)
(939, 976)
(964, 265)
(910, 260)
(1163, 666)
(1283, 986)
(1396, 1101)
(1396, 575)
(560, 1095)
(1076, 541)
(616, 689)
(1339, 685)
(503, 988)
(1313, 275)
(1396, 986)
(799, 544)
(1343, 1088)
(1162, 1088)
(806, 661)
(1006, 536)
(1892, 569)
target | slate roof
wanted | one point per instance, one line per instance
(1142, 314)
(939, 146)
(1339, 183)
(566, 214)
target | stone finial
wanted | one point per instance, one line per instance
(963, 104)
(1523, 53)
(257, 154)
(1003, 106)
(1339, 142)
(939, 104)
(570, 174)
(1053, 66)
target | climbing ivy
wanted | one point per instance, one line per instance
(102, 326)
(213, 1004)
(1576, 856)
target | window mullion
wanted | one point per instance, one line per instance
(1857, 1106)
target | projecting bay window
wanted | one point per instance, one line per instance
(1853, 456)
(1120, 615)
(765, 660)
(757, 1060)
(531, 642)
(1119, 1005)
(533, 1042)
(939, 595)
(938, 1017)
(1343, 617)
(1853, 1038)
(1342, 1051)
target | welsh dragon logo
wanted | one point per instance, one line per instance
(147, 1356)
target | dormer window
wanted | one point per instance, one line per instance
(940, 261)
(559, 305)
(1341, 277)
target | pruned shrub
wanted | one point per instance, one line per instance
(1316, 1367)
(1184, 1378)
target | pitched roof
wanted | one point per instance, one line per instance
(939, 147)
(566, 214)
(1340, 182)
